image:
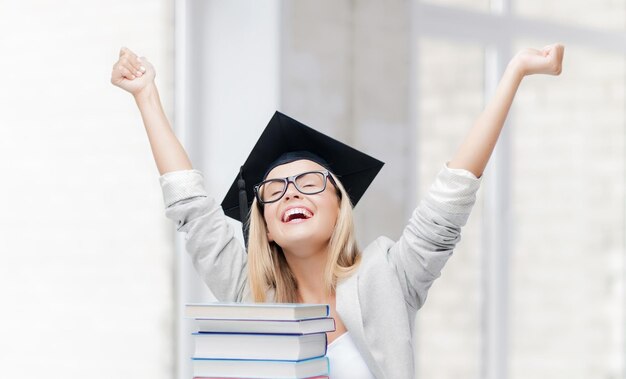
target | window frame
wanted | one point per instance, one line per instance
(476, 27)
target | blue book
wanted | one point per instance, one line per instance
(284, 347)
(233, 368)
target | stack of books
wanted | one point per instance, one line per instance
(260, 341)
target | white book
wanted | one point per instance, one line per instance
(260, 369)
(215, 377)
(284, 347)
(257, 311)
(308, 326)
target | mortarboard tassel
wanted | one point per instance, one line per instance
(243, 206)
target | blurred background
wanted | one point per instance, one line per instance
(93, 277)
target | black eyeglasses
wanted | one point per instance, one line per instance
(308, 183)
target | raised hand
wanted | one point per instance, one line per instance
(136, 75)
(474, 152)
(545, 61)
(131, 72)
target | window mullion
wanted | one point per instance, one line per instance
(496, 235)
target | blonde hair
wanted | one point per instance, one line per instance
(267, 265)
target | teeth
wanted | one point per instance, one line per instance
(294, 211)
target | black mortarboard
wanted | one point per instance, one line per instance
(285, 140)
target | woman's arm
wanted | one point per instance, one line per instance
(474, 152)
(435, 227)
(210, 240)
(136, 75)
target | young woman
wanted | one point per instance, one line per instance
(301, 244)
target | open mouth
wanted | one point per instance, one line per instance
(294, 215)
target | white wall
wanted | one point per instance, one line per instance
(86, 279)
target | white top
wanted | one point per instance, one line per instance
(345, 360)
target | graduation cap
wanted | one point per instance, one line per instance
(286, 140)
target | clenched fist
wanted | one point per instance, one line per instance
(132, 73)
(545, 61)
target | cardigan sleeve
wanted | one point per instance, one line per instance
(217, 255)
(432, 233)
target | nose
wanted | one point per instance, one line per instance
(291, 191)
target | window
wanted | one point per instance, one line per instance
(567, 254)
(452, 92)
(536, 288)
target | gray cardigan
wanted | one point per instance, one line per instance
(378, 303)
